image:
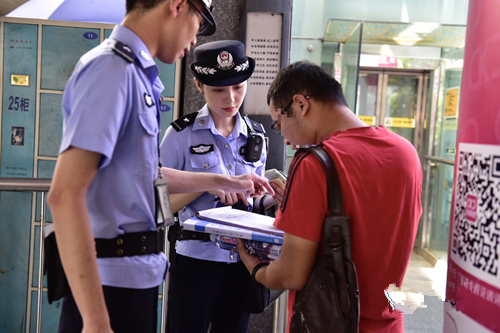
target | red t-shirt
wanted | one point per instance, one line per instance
(381, 179)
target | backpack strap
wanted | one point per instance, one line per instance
(335, 198)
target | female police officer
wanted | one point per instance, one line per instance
(204, 284)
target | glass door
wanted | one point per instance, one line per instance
(350, 66)
(393, 99)
(401, 104)
(368, 101)
(440, 166)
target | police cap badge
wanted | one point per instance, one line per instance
(222, 63)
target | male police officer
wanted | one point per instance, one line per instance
(381, 180)
(103, 185)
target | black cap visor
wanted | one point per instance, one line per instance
(208, 28)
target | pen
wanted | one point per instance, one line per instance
(214, 200)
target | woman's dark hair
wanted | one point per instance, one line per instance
(306, 78)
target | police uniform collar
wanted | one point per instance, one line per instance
(204, 120)
(240, 126)
(136, 45)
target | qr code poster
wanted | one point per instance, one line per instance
(473, 267)
(476, 222)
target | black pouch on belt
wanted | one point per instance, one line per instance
(57, 283)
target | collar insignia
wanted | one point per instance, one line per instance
(145, 55)
(225, 60)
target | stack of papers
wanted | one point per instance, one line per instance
(225, 224)
(196, 224)
(241, 219)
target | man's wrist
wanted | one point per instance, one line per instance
(269, 201)
(262, 202)
(256, 269)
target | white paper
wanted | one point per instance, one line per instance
(240, 218)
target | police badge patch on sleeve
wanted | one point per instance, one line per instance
(148, 100)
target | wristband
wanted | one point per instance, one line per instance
(262, 209)
(255, 269)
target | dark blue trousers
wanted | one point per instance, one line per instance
(130, 310)
(205, 292)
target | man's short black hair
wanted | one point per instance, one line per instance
(142, 4)
(306, 78)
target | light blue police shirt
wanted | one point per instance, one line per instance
(221, 156)
(110, 107)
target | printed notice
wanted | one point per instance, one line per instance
(451, 102)
(399, 122)
(369, 120)
(263, 43)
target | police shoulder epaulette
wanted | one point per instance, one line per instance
(254, 125)
(184, 122)
(123, 51)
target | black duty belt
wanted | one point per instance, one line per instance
(191, 235)
(131, 244)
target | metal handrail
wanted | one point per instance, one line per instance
(25, 184)
(439, 160)
(33, 185)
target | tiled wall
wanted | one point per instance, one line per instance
(30, 134)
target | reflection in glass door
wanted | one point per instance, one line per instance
(392, 99)
(366, 108)
(440, 167)
(350, 65)
(401, 104)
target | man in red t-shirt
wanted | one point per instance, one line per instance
(381, 179)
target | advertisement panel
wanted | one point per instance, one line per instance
(473, 282)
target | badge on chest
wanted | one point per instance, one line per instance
(202, 149)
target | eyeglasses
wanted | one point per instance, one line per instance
(275, 125)
(206, 24)
(285, 109)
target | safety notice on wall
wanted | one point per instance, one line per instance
(263, 43)
(451, 102)
(369, 120)
(399, 122)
